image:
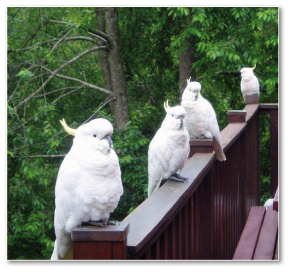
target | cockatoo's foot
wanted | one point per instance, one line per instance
(178, 178)
(175, 177)
(113, 223)
(100, 223)
(194, 137)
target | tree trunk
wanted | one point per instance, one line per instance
(186, 60)
(118, 81)
(103, 55)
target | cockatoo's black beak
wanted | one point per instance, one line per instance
(181, 121)
(109, 140)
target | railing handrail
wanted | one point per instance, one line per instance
(153, 215)
(269, 106)
(156, 211)
(232, 131)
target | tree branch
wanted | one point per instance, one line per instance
(101, 35)
(60, 97)
(61, 22)
(220, 73)
(59, 41)
(100, 107)
(61, 89)
(80, 81)
(42, 156)
(55, 72)
(34, 34)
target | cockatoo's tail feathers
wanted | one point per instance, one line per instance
(69, 130)
(254, 66)
(166, 106)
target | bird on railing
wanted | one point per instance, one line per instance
(249, 82)
(89, 184)
(169, 149)
(201, 121)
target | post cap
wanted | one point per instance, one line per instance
(108, 233)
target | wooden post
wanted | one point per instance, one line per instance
(100, 243)
(237, 116)
(252, 99)
(201, 146)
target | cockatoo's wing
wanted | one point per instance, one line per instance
(159, 155)
(67, 179)
(213, 127)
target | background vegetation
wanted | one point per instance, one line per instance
(154, 43)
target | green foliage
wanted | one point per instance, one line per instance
(131, 146)
(265, 159)
(25, 74)
(225, 40)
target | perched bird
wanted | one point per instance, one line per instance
(89, 184)
(249, 82)
(201, 121)
(269, 203)
(169, 149)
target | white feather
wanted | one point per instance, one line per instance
(249, 82)
(88, 185)
(168, 150)
(201, 118)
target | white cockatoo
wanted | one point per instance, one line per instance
(249, 82)
(269, 203)
(169, 149)
(201, 121)
(89, 184)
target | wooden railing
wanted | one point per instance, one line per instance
(200, 219)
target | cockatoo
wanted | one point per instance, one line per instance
(269, 203)
(169, 149)
(249, 82)
(201, 121)
(89, 184)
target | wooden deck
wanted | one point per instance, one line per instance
(259, 240)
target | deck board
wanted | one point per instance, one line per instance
(250, 234)
(268, 236)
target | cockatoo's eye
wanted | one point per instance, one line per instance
(94, 135)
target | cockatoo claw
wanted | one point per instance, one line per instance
(95, 223)
(113, 223)
(178, 178)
